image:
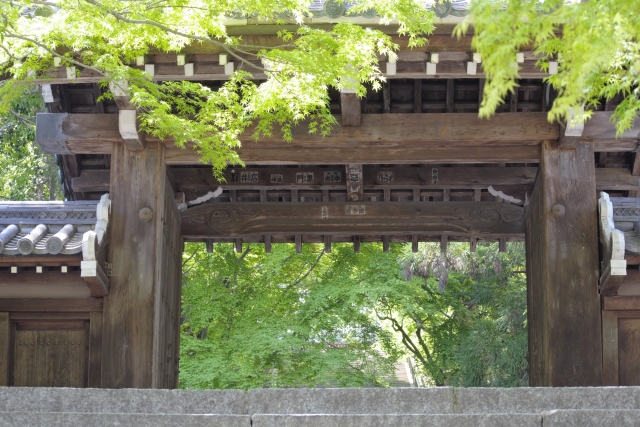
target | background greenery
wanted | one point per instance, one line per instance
(25, 172)
(343, 319)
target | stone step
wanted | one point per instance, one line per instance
(405, 420)
(73, 419)
(558, 418)
(409, 401)
(124, 401)
(592, 418)
(444, 400)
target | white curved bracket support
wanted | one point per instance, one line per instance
(91, 269)
(613, 267)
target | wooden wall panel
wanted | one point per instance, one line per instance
(95, 351)
(610, 348)
(4, 348)
(629, 351)
(50, 358)
(562, 262)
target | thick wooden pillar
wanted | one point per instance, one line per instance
(565, 337)
(141, 313)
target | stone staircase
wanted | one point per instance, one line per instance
(401, 407)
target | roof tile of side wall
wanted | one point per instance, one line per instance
(43, 221)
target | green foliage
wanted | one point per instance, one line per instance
(595, 42)
(259, 320)
(265, 320)
(25, 172)
(105, 36)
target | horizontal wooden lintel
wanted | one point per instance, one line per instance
(464, 219)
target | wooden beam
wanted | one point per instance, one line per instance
(91, 180)
(417, 96)
(298, 243)
(51, 305)
(327, 244)
(341, 153)
(140, 313)
(450, 95)
(616, 179)
(621, 303)
(41, 260)
(96, 279)
(267, 244)
(506, 128)
(562, 271)
(350, 107)
(390, 138)
(130, 130)
(569, 137)
(313, 178)
(468, 219)
(635, 171)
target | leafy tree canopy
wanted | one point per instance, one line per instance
(107, 35)
(594, 42)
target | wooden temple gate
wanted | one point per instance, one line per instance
(410, 163)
